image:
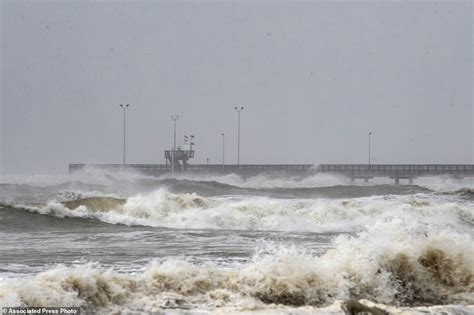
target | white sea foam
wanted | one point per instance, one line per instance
(437, 183)
(190, 211)
(389, 263)
(91, 175)
(445, 183)
(112, 178)
(268, 181)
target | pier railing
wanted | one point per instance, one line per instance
(198, 168)
(354, 171)
(427, 168)
(397, 171)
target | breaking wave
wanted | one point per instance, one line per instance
(465, 192)
(162, 208)
(75, 189)
(97, 178)
(389, 263)
(269, 181)
(312, 180)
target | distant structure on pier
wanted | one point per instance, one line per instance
(178, 158)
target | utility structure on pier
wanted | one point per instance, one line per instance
(178, 157)
(239, 111)
(124, 107)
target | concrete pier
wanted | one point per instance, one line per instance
(353, 171)
(397, 172)
(242, 169)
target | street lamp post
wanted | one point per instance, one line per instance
(239, 110)
(191, 142)
(370, 133)
(174, 118)
(124, 107)
(223, 151)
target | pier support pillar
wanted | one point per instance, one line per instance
(410, 181)
(352, 179)
(397, 181)
(366, 180)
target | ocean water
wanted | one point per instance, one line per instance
(123, 243)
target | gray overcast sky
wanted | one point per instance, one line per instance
(314, 78)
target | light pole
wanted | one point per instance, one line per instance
(223, 151)
(239, 110)
(174, 118)
(124, 107)
(191, 142)
(370, 133)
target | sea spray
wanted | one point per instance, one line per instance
(162, 208)
(388, 263)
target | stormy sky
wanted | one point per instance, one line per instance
(314, 77)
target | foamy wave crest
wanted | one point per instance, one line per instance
(132, 180)
(269, 181)
(387, 264)
(446, 183)
(312, 180)
(90, 174)
(162, 208)
(465, 192)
